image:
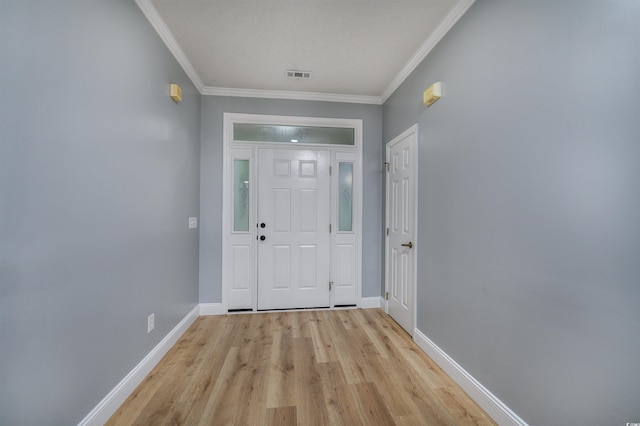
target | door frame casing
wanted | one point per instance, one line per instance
(248, 150)
(411, 130)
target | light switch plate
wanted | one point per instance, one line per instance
(151, 323)
(193, 222)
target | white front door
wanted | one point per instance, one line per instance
(401, 222)
(293, 228)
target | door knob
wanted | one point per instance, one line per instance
(409, 244)
(263, 225)
(262, 238)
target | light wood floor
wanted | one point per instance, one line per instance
(351, 367)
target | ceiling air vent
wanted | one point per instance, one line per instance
(298, 75)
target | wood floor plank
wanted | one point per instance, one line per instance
(411, 421)
(351, 367)
(220, 404)
(202, 375)
(311, 409)
(327, 333)
(348, 322)
(281, 416)
(393, 394)
(282, 383)
(244, 333)
(371, 406)
(347, 406)
(370, 327)
(348, 353)
(322, 340)
(252, 404)
(340, 401)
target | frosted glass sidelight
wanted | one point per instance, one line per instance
(241, 195)
(293, 134)
(345, 197)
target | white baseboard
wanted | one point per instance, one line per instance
(110, 403)
(211, 309)
(485, 399)
(371, 302)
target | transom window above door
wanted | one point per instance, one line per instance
(293, 134)
(268, 129)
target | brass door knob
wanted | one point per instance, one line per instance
(409, 244)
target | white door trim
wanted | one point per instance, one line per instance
(411, 130)
(244, 149)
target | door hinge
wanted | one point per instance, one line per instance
(386, 296)
(387, 232)
(329, 170)
(330, 285)
(329, 228)
(386, 163)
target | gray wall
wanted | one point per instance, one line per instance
(529, 204)
(99, 171)
(213, 108)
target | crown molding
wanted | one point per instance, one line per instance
(282, 94)
(431, 42)
(150, 11)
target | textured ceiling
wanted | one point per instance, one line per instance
(352, 47)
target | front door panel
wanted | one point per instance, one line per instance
(293, 245)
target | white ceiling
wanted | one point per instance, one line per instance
(357, 50)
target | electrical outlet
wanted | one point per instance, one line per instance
(151, 322)
(193, 222)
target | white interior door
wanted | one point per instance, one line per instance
(293, 231)
(401, 230)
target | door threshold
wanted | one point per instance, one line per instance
(317, 308)
(314, 308)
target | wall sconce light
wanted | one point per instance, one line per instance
(175, 92)
(432, 94)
